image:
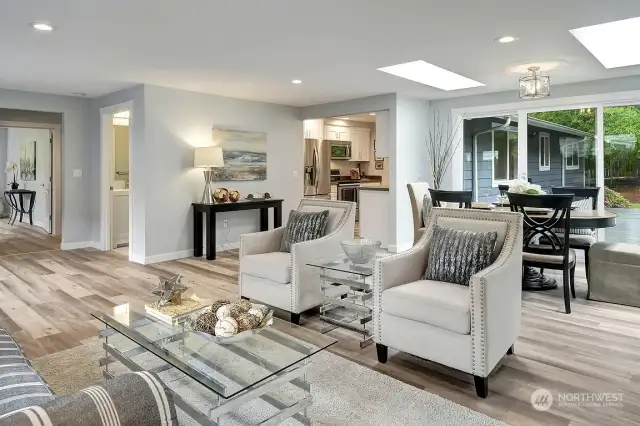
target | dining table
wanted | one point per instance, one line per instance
(532, 280)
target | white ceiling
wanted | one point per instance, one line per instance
(252, 49)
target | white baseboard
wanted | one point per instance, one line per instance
(225, 247)
(77, 245)
(166, 256)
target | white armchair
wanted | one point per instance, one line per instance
(283, 280)
(417, 191)
(466, 328)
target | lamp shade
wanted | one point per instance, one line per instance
(208, 156)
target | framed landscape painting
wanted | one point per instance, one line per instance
(28, 160)
(244, 153)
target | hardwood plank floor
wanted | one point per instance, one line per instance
(46, 297)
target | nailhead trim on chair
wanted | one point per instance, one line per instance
(478, 337)
(347, 206)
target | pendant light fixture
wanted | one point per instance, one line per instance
(534, 86)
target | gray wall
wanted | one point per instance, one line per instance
(77, 193)
(3, 158)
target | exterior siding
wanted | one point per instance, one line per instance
(546, 179)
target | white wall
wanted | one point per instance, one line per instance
(77, 193)
(15, 139)
(409, 163)
(175, 122)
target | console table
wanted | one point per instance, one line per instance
(15, 198)
(210, 210)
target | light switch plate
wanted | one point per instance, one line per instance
(294, 174)
(77, 172)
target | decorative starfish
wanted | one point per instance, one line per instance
(170, 290)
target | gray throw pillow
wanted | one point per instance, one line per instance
(427, 205)
(304, 226)
(455, 255)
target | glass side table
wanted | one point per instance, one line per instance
(346, 295)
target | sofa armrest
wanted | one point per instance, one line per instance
(261, 242)
(137, 398)
(496, 300)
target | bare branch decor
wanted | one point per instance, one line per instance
(441, 145)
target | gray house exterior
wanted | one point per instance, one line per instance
(490, 157)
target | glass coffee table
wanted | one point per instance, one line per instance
(346, 295)
(265, 373)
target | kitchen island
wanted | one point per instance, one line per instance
(374, 212)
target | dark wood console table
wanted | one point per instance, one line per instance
(15, 198)
(210, 211)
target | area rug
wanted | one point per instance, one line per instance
(344, 393)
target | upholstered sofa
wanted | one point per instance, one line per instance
(417, 191)
(25, 399)
(468, 328)
(283, 280)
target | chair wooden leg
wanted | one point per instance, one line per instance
(541, 271)
(572, 281)
(383, 352)
(294, 318)
(510, 351)
(565, 287)
(244, 297)
(482, 386)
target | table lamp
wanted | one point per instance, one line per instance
(208, 157)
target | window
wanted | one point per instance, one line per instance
(572, 156)
(505, 155)
(544, 146)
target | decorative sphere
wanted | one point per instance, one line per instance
(234, 195)
(226, 327)
(221, 195)
(235, 310)
(205, 322)
(224, 312)
(245, 305)
(245, 322)
(218, 304)
(257, 313)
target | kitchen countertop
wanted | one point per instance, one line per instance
(373, 188)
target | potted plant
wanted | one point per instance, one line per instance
(12, 166)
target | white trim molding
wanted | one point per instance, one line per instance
(544, 138)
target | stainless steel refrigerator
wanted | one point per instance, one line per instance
(317, 165)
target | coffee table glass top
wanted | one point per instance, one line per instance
(226, 369)
(342, 263)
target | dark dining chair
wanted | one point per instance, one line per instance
(553, 252)
(463, 198)
(584, 198)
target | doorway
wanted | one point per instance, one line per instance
(27, 155)
(116, 211)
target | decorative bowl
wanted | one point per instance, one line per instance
(267, 321)
(360, 250)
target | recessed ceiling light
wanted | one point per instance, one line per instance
(372, 113)
(344, 118)
(506, 39)
(609, 42)
(42, 26)
(296, 81)
(431, 75)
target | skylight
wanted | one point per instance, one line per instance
(431, 75)
(609, 42)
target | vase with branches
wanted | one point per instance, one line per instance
(442, 144)
(12, 167)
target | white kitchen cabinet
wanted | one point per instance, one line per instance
(382, 135)
(360, 144)
(313, 129)
(336, 133)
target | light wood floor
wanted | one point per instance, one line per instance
(46, 298)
